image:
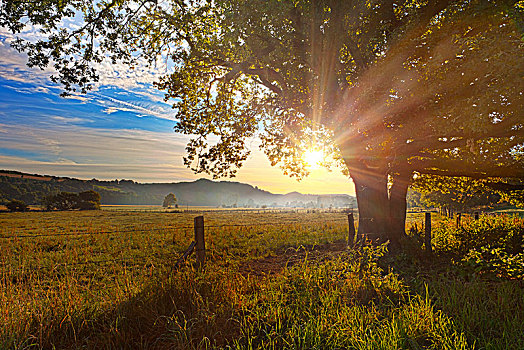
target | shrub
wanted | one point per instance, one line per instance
(88, 200)
(496, 261)
(491, 245)
(89, 205)
(89, 196)
(505, 232)
(16, 205)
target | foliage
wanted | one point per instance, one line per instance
(400, 85)
(16, 205)
(89, 200)
(496, 261)
(489, 232)
(493, 245)
(169, 200)
(459, 194)
(511, 191)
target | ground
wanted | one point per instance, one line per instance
(105, 279)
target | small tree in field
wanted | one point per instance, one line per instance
(89, 200)
(169, 200)
(16, 205)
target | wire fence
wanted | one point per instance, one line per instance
(144, 259)
(165, 228)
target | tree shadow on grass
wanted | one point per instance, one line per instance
(185, 310)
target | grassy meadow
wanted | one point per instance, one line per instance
(105, 279)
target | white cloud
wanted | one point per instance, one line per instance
(69, 119)
(138, 107)
(13, 66)
(111, 110)
(79, 98)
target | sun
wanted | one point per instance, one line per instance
(313, 158)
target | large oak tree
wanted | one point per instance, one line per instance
(390, 88)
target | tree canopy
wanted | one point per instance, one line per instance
(169, 200)
(389, 88)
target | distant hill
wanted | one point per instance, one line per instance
(31, 188)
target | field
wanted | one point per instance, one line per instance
(105, 279)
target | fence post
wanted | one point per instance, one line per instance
(459, 217)
(351, 230)
(427, 232)
(200, 243)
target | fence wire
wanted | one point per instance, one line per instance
(83, 233)
(144, 259)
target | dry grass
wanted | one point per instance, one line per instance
(106, 281)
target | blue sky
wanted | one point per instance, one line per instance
(122, 129)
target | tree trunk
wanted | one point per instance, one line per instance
(382, 213)
(373, 209)
(397, 208)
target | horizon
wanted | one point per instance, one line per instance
(177, 182)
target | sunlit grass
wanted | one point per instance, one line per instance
(113, 286)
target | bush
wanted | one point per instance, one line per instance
(89, 205)
(88, 200)
(496, 261)
(16, 205)
(89, 196)
(491, 245)
(505, 232)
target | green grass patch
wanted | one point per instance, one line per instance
(266, 285)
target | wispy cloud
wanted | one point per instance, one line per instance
(69, 119)
(78, 98)
(110, 110)
(13, 67)
(134, 154)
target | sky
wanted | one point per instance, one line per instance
(122, 129)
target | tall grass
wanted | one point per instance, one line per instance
(264, 287)
(476, 277)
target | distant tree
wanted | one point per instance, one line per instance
(169, 200)
(61, 201)
(16, 205)
(89, 205)
(510, 190)
(250, 203)
(88, 200)
(457, 194)
(89, 196)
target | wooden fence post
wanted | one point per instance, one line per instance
(200, 247)
(427, 232)
(351, 230)
(459, 217)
